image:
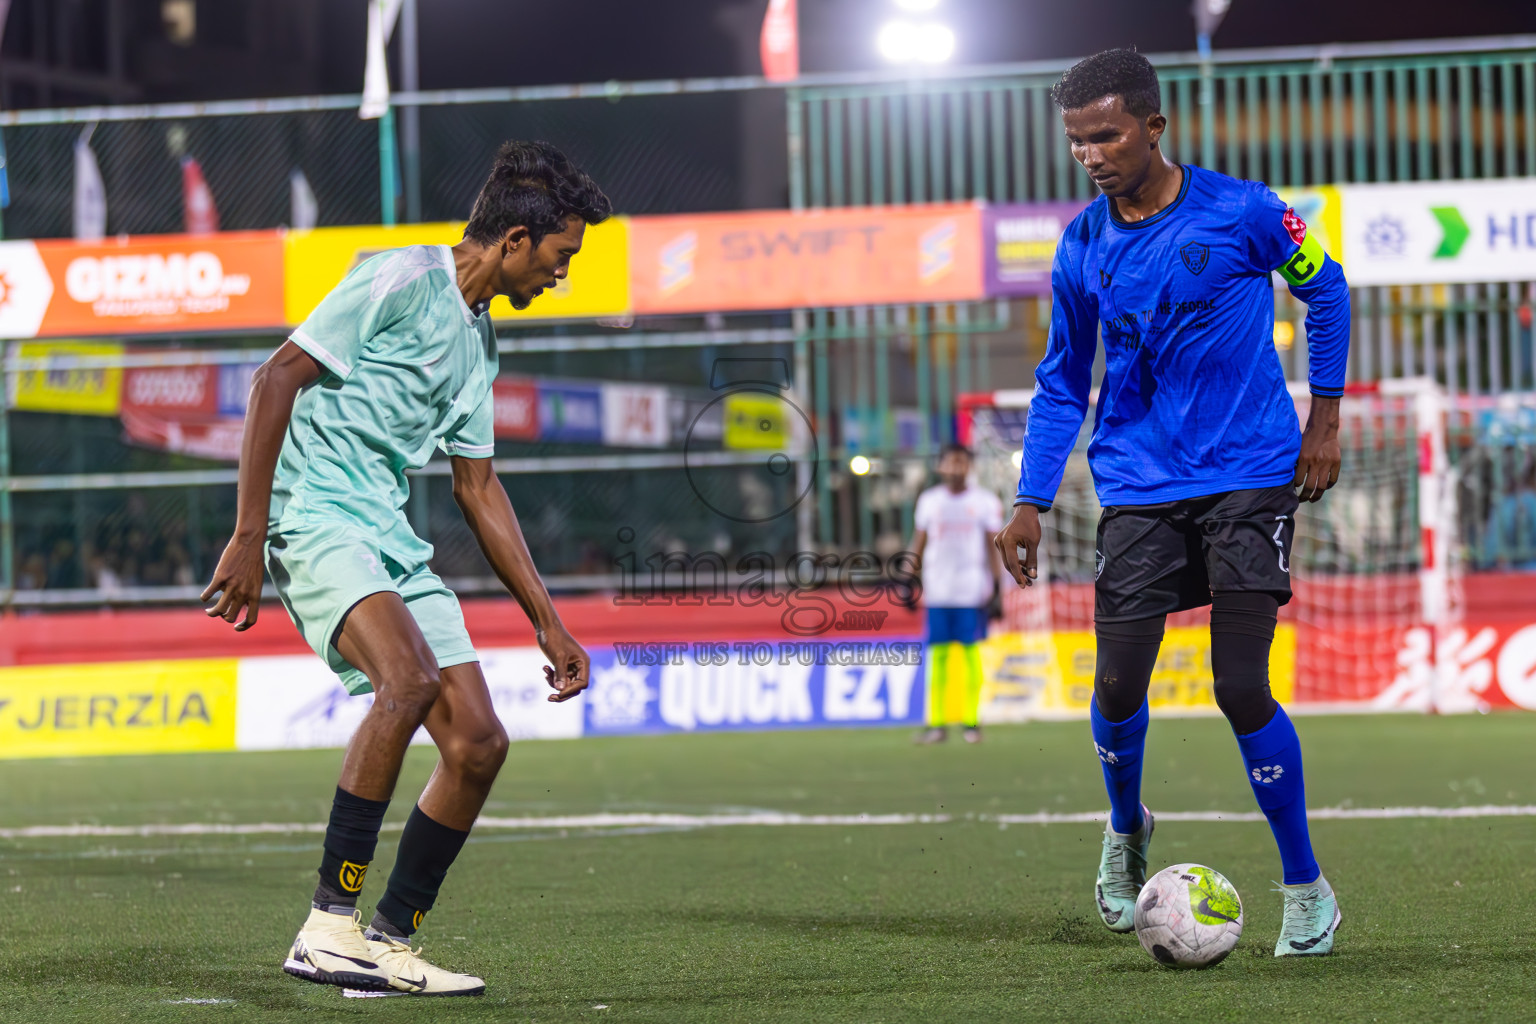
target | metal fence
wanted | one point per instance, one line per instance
(86, 517)
(1294, 117)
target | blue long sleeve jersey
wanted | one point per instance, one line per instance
(1193, 400)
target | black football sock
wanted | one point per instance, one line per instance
(427, 851)
(350, 839)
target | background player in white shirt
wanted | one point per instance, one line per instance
(961, 572)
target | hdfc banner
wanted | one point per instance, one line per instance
(772, 259)
(141, 284)
(1440, 232)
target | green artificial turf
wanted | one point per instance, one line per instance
(962, 920)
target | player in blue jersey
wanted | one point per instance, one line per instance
(1196, 453)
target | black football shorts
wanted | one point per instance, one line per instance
(1157, 559)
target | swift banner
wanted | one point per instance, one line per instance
(316, 261)
(141, 284)
(773, 259)
(1440, 232)
(1020, 240)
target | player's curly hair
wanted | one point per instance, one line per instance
(534, 185)
(1123, 73)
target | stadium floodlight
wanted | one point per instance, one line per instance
(909, 42)
(859, 465)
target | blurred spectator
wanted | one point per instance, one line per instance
(33, 574)
(1510, 536)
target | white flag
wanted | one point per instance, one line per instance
(90, 193)
(304, 212)
(381, 24)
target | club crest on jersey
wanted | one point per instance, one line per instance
(1195, 256)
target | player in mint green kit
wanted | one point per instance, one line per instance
(393, 364)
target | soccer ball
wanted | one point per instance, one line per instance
(1188, 916)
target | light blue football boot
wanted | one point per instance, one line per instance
(1311, 918)
(1122, 872)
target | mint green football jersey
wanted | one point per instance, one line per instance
(408, 368)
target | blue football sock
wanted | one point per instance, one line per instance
(1120, 746)
(1273, 757)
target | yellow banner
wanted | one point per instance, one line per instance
(135, 707)
(1050, 675)
(84, 392)
(315, 261)
(1322, 210)
(755, 420)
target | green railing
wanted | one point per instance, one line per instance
(1405, 112)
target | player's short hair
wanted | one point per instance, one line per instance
(956, 449)
(534, 185)
(1123, 73)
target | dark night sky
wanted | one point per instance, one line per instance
(467, 43)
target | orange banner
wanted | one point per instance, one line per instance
(164, 283)
(779, 259)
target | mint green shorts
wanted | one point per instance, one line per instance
(321, 570)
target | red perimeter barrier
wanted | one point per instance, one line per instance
(43, 638)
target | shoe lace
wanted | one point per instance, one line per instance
(1303, 901)
(398, 946)
(1123, 858)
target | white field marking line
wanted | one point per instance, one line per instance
(198, 1002)
(768, 818)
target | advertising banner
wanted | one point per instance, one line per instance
(1440, 232)
(1476, 666)
(295, 702)
(713, 687)
(1020, 241)
(516, 409)
(172, 390)
(1321, 209)
(598, 285)
(136, 707)
(90, 391)
(190, 410)
(635, 416)
(1050, 675)
(160, 283)
(771, 259)
(214, 438)
(147, 283)
(756, 421)
(571, 412)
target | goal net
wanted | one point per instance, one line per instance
(1373, 568)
